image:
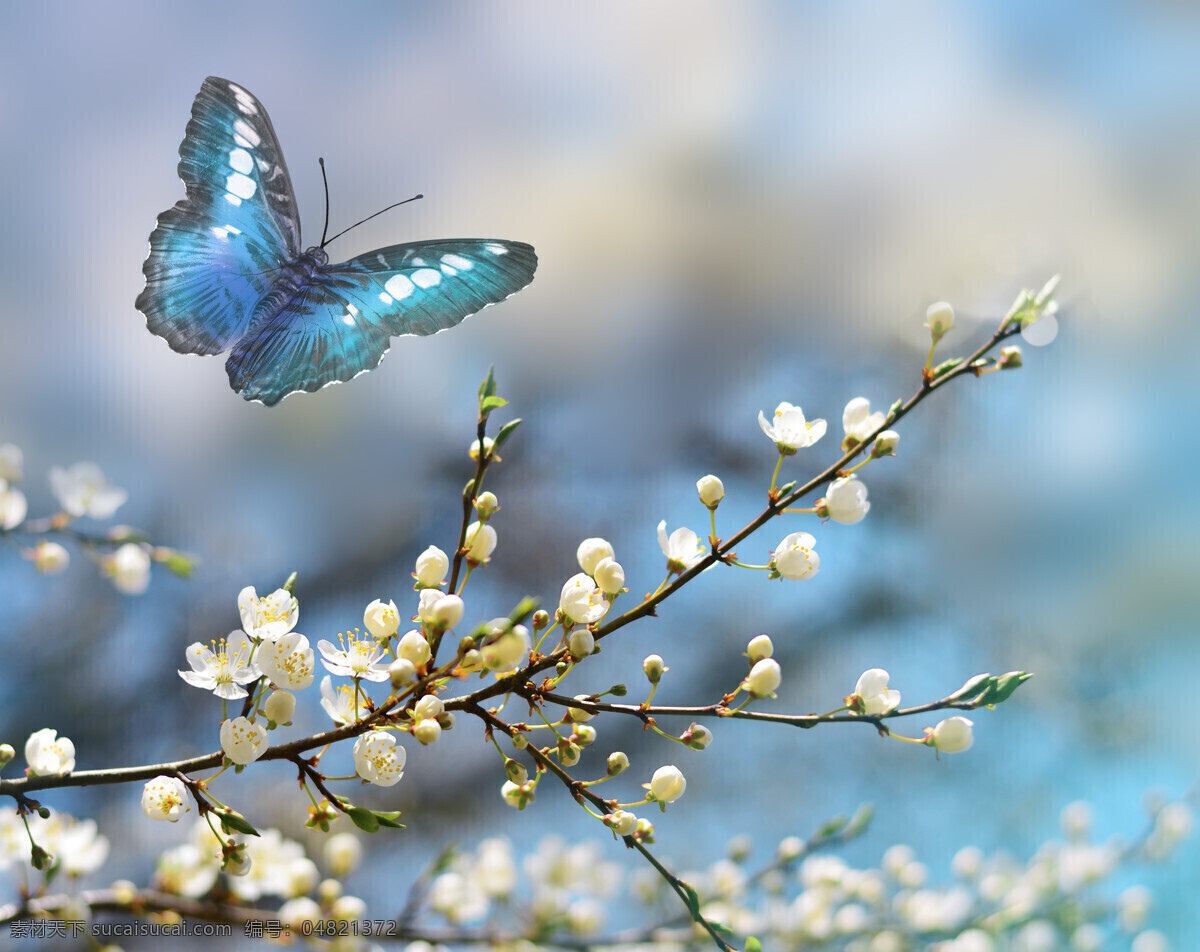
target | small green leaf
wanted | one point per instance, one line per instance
(236, 823)
(488, 387)
(693, 900)
(1000, 689)
(388, 819)
(364, 819)
(945, 367)
(177, 563)
(832, 826)
(488, 404)
(525, 607)
(859, 821)
(719, 927)
(893, 409)
(505, 432)
(785, 489)
(752, 944)
(971, 688)
(290, 585)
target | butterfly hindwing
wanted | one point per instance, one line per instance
(213, 254)
(340, 324)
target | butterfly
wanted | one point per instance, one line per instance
(225, 269)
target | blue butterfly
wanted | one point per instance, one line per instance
(226, 270)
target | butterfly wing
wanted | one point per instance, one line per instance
(340, 324)
(212, 255)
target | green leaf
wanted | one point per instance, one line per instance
(785, 489)
(290, 585)
(719, 927)
(177, 563)
(859, 821)
(488, 387)
(505, 432)
(488, 404)
(891, 414)
(236, 823)
(1001, 688)
(945, 367)
(525, 607)
(971, 688)
(832, 826)
(693, 900)
(388, 819)
(752, 944)
(364, 819)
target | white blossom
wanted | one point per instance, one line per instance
(270, 617)
(711, 490)
(129, 568)
(243, 740)
(288, 662)
(280, 706)
(222, 668)
(344, 704)
(356, 657)
(683, 548)
(794, 557)
(760, 647)
(788, 429)
(872, 689)
(581, 601)
(378, 759)
(507, 650)
(858, 422)
(413, 647)
(580, 643)
(164, 798)
(480, 542)
(846, 500)
(609, 576)
(13, 506)
(83, 490)
(50, 558)
(49, 755)
(939, 318)
(381, 619)
(11, 461)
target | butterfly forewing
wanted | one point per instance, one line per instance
(213, 256)
(340, 324)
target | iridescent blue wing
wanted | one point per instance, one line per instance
(213, 255)
(340, 324)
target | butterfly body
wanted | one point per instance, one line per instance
(225, 270)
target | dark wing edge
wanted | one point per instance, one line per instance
(341, 325)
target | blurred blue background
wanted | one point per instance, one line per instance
(733, 204)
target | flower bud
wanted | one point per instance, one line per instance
(432, 566)
(517, 795)
(343, 852)
(623, 823)
(568, 753)
(577, 714)
(609, 575)
(617, 763)
(1010, 358)
(50, 558)
(697, 736)
(446, 720)
(429, 706)
(644, 833)
(402, 671)
(515, 771)
(427, 731)
(6, 754)
(763, 678)
(885, 444)
(486, 504)
(280, 706)
(653, 668)
(471, 660)
(667, 784)
(580, 643)
(939, 318)
(845, 501)
(508, 650)
(520, 741)
(473, 450)
(447, 611)
(711, 490)
(541, 618)
(414, 648)
(584, 735)
(591, 551)
(760, 647)
(480, 542)
(952, 735)
(381, 619)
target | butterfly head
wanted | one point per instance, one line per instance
(315, 256)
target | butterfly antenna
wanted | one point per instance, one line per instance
(357, 223)
(325, 182)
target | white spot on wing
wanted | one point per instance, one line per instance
(385, 298)
(449, 271)
(233, 200)
(246, 131)
(352, 309)
(426, 278)
(241, 185)
(241, 161)
(398, 286)
(457, 261)
(419, 262)
(495, 249)
(382, 260)
(348, 319)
